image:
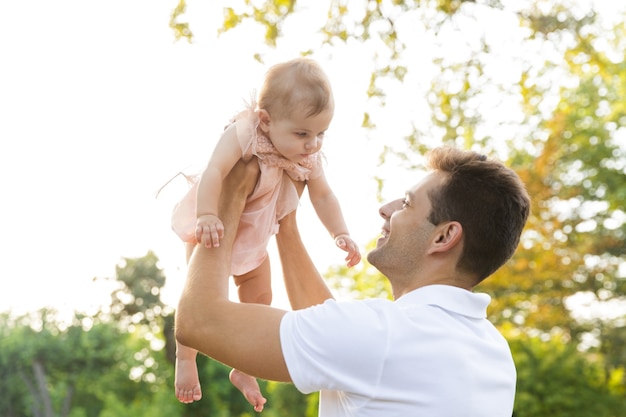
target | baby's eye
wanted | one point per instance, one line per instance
(321, 135)
(405, 203)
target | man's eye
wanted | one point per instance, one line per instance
(301, 134)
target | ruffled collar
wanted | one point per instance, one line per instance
(266, 151)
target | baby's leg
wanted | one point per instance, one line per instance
(253, 287)
(186, 380)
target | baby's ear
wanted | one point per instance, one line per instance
(264, 120)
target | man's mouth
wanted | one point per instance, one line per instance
(384, 234)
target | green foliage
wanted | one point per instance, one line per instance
(14, 399)
(139, 294)
(181, 29)
(142, 406)
(286, 400)
(53, 366)
(269, 14)
(554, 379)
(360, 282)
(137, 300)
(574, 241)
(112, 363)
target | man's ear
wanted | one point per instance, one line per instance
(447, 236)
(264, 120)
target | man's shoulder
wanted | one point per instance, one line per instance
(344, 316)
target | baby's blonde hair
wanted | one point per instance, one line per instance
(296, 84)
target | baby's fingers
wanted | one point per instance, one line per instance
(210, 236)
(353, 258)
(345, 243)
(213, 236)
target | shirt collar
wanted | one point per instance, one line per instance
(448, 297)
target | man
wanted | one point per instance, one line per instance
(430, 352)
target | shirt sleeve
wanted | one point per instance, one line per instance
(335, 346)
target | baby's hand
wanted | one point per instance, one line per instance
(345, 242)
(209, 230)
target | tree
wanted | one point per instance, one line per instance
(137, 300)
(13, 391)
(575, 240)
(111, 364)
(554, 379)
(50, 366)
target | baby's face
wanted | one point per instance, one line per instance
(297, 135)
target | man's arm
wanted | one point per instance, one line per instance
(304, 284)
(244, 336)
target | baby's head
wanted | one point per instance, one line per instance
(298, 84)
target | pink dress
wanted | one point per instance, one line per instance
(272, 199)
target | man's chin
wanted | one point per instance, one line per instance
(373, 255)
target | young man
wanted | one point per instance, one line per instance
(431, 351)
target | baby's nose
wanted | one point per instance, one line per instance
(311, 144)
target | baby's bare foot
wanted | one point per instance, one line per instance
(186, 381)
(249, 387)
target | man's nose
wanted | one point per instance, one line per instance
(388, 209)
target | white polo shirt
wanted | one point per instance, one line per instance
(430, 353)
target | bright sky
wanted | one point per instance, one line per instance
(99, 107)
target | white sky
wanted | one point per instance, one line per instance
(99, 107)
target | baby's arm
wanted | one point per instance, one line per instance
(209, 227)
(328, 210)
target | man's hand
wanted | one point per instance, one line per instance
(345, 242)
(209, 230)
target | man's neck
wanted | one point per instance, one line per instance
(455, 279)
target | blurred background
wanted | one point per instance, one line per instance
(101, 103)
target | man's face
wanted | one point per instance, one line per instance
(406, 233)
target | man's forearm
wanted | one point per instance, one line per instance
(303, 282)
(244, 336)
(206, 287)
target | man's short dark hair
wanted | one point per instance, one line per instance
(488, 199)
